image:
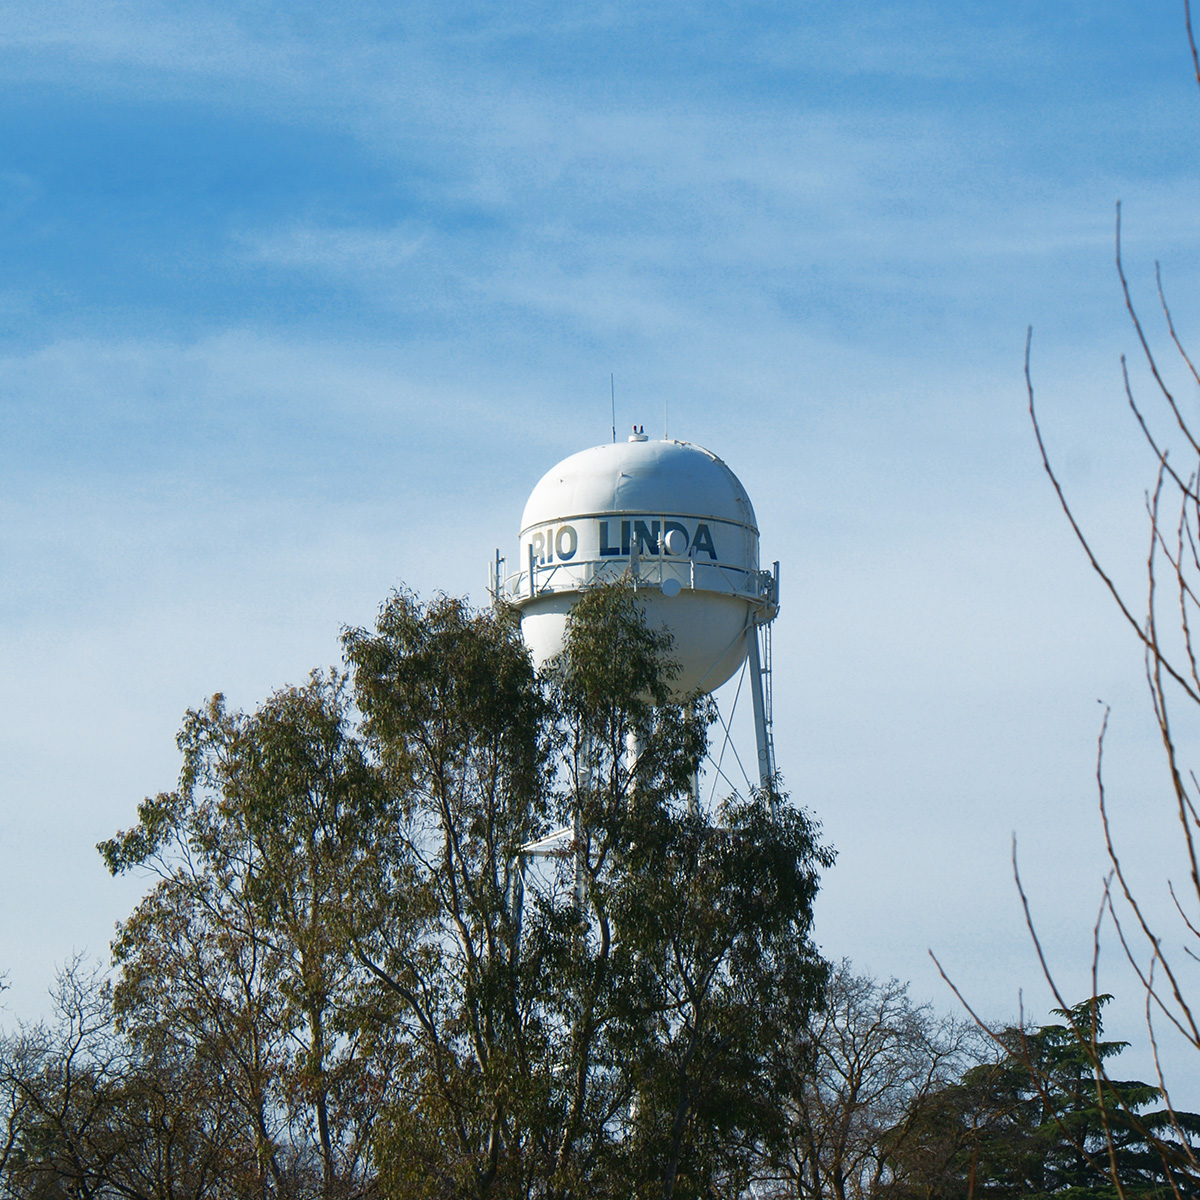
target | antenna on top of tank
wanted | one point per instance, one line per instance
(612, 391)
(665, 426)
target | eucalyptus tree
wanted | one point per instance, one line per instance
(460, 734)
(691, 959)
(236, 957)
(618, 1037)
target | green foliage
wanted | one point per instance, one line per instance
(615, 1048)
(728, 973)
(459, 728)
(1042, 1121)
(358, 968)
(237, 957)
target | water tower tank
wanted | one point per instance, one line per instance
(668, 515)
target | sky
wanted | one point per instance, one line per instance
(299, 301)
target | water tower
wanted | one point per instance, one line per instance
(676, 522)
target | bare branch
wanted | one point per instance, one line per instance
(1134, 624)
(1187, 12)
(1150, 359)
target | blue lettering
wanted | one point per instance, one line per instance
(605, 548)
(646, 537)
(675, 545)
(703, 541)
(568, 536)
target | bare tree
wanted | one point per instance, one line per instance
(873, 1061)
(87, 1113)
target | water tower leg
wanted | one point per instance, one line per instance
(583, 786)
(517, 901)
(633, 751)
(580, 864)
(762, 723)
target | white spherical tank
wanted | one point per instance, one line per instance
(669, 516)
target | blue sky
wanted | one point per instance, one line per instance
(300, 301)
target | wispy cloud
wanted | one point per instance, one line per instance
(337, 251)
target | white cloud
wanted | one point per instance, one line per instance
(335, 250)
(196, 40)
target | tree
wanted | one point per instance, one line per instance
(1033, 1122)
(353, 975)
(459, 734)
(87, 1115)
(62, 1088)
(612, 1034)
(730, 976)
(235, 959)
(874, 1065)
(694, 962)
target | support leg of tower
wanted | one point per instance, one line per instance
(762, 725)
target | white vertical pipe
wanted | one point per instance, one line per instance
(766, 767)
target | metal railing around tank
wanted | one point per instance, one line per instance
(662, 574)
